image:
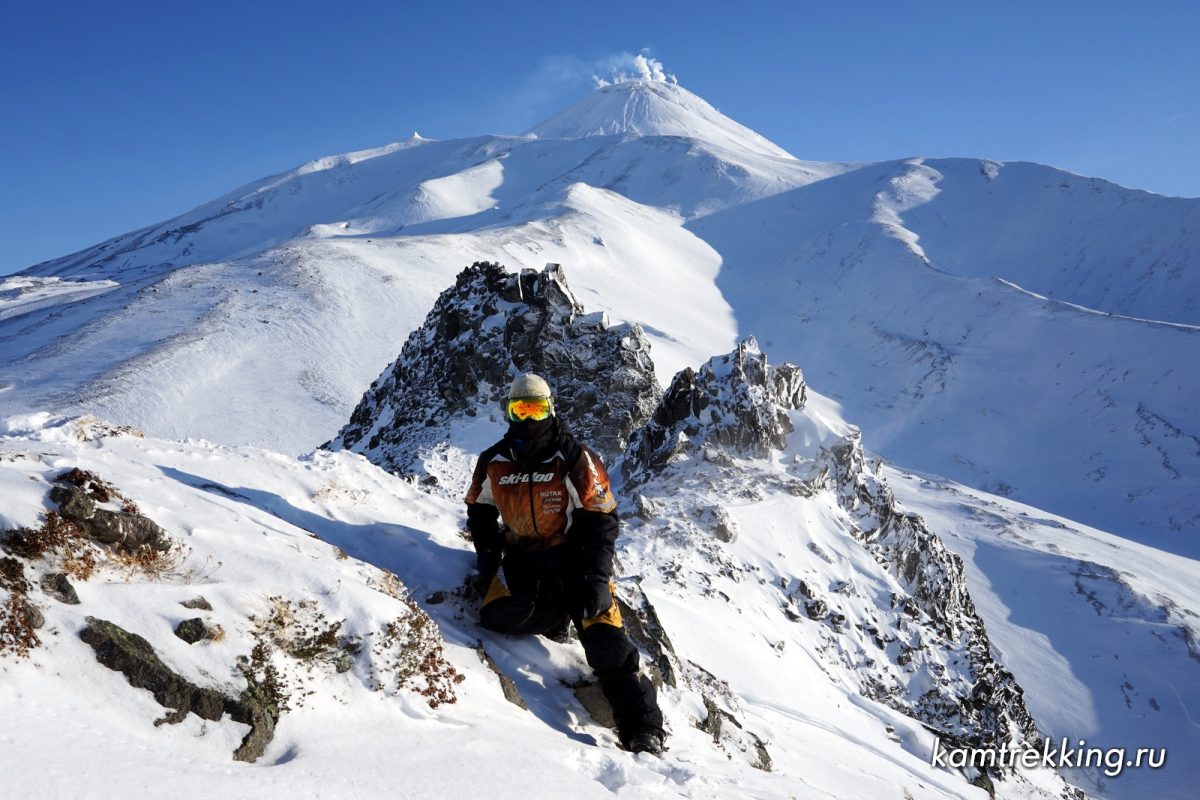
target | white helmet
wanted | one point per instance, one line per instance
(529, 398)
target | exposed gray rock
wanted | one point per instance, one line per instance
(74, 503)
(487, 328)
(192, 630)
(197, 603)
(134, 657)
(511, 693)
(76, 496)
(726, 730)
(591, 697)
(647, 632)
(995, 705)
(712, 436)
(58, 586)
(34, 617)
(734, 403)
(126, 531)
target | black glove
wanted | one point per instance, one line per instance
(596, 595)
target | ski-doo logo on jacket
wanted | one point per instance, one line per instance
(523, 477)
(540, 517)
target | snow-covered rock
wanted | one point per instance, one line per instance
(491, 326)
(861, 586)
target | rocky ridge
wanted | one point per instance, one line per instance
(726, 435)
(733, 432)
(487, 328)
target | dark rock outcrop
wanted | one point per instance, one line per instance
(126, 530)
(484, 330)
(255, 707)
(995, 706)
(12, 575)
(135, 658)
(73, 503)
(192, 630)
(735, 403)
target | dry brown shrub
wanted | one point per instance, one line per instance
(411, 650)
(389, 584)
(17, 634)
(59, 536)
(145, 561)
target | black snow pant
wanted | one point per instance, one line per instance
(538, 595)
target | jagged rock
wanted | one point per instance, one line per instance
(716, 724)
(58, 586)
(647, 632)
(197, 603)
(735, 402)
(511, 693)
(933, 576)
(74, 503)
(127, 531)
(491, 325)
(717, 435)
(134, 657)
(192, 630)
(646, 508)
(718, 520)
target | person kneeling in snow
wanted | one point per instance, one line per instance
(552, 564)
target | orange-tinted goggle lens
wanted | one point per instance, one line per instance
(537, 408)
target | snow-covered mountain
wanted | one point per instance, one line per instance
(1012, 327)
(972, 316)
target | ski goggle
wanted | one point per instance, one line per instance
(522, 408)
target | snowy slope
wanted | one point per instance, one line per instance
(259, 524)
(1085, 413)
(1101, 631)
(1076, 239)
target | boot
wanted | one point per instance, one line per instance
(647, 741)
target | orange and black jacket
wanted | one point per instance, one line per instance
(558, 496)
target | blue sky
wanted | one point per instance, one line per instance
(119, 115)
